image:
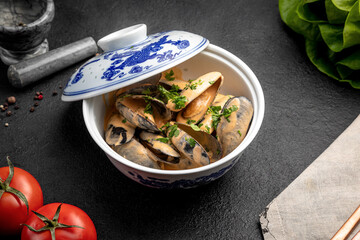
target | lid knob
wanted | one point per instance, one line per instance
(124, 37)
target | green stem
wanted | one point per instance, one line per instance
(51, 225)
(5, 186)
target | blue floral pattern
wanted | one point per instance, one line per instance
(115, 67)
(133, 58)
(164, 183)
(80, 75)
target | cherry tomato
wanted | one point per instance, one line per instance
(13, 210)
(67, 221)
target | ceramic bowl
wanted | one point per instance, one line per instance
(239, 80)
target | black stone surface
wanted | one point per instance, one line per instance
(305, 112)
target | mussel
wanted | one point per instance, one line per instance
(119, 130)
(160, 146)
(137, 153)
(206, 123)
(185, 125)
(232, 129)
(210, 82)
(143, 110)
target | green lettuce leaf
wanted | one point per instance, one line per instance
(290, 17)
(344, 5)
(352, 27)
(312, 11)
(320, 55)
(332, 36)
(334, 14)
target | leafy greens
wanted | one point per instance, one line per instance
(332, 34)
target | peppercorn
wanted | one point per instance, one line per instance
(32, 109)
(8, 113)
(11, 100)
(54, 93)
(16, 107)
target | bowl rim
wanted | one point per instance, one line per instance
(45, 18)
(253, 84)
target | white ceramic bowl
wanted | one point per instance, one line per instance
(239, 80)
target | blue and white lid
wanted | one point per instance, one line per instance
(129, 57)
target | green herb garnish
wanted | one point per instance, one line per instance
(218, 151)
(173, 131)
(239, 133)
(200, 125)
(169, 75)
(193, 86)
(227, 111)
(215, 115)
(124, 120)
(163, 140)
(194, 127)
(180, 102)
(148, 109)
(207, 129)
(147, 91)
(191, 142)
(189, 121)
(211, 82)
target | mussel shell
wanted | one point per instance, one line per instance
(207, 141)
(161, 149)
(183, 163)
(137, 153)
(119, 131)
(197, 154)
(202, 84)
(132, 108)
(153, 80)
(177, 79)
(206, 123)
(231, 133)
(197, 108)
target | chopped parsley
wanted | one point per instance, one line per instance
(216, 115)
(207, 129)
(211, 82)
(124, 120)
(147, 91)
(193, 86)
(148, 109)
(163, 140)
(218, 151)
(180, 102)
(194, 127)
(169, 75)
(191, 142)
(173, 131)
(239, 133)
(121, 97)
(200, 125)
(167, 95)
(174, 88)
(189, 121)
(227, 111)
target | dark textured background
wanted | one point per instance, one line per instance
(305, 111)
